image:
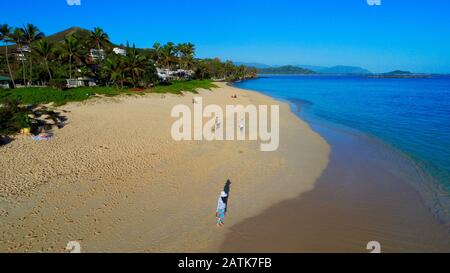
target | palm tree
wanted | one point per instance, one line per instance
(187, 52)
(229, 68)
(71, 48)
(45, 50)
(5, 36)
(98, 38)
(135, 64)
(114, 69)
(31, 34)
(18, 38)
(156, 53)
(168, 55)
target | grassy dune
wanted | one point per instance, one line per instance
(45, 95)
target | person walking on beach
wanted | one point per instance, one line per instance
(242, 126)
(221, 208)
(218, 123)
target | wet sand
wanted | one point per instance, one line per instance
(362, 196)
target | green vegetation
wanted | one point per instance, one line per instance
(46, 95)
(31, 58)
(177, 87)
(13, 118)
(287, 70)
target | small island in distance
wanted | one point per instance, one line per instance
(400, 74)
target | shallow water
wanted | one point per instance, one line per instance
(408, 118)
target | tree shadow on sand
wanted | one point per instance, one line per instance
(48, 119)
(4, 140)
(37, 119)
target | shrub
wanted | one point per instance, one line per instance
(58, 83)
(13, 118)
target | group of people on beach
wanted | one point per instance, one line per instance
(218, 124)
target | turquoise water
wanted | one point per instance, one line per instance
(411, 115)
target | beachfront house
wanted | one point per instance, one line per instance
(20, 53)
(97, 54)
(80, 82)
(5, 82)
(185, 74)
(120, 51)
(162, 74)
(166, 75)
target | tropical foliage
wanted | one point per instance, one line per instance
(40, 60)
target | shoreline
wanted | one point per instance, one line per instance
(114, 180)
(347, 209)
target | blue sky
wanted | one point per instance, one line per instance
(400, 34)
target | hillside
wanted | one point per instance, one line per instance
(255, 65)
(287, 70)
(56, 37)
(59, 37)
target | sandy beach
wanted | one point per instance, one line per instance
(114, 179)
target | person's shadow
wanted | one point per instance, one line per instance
(227, 190)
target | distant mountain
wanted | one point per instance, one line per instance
(255, 65)
(312, 67)
(342, 69)
(287, 69)
(77, 31)
(307, 69)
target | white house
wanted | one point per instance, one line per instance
(163, 74)
(20, 53)
(80, 82)
(97, 54)
(168, 75)
(120, 51)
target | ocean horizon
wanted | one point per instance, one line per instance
(410, 118)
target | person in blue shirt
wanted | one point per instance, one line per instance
(221, 209)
